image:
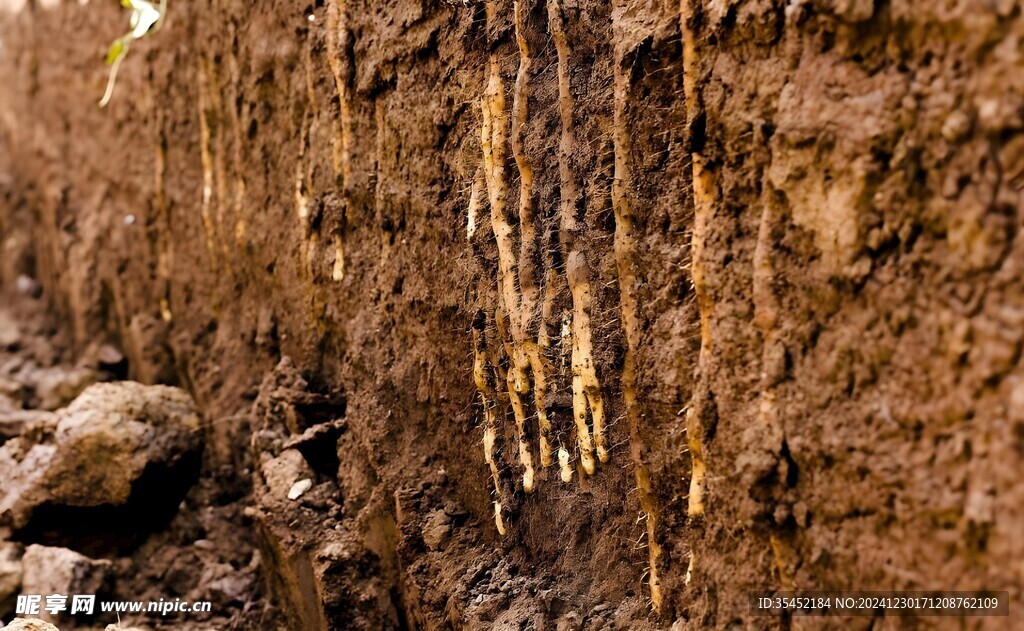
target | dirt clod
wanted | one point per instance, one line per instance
(120, 452)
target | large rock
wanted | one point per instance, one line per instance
(47, 570)
(29, 624)
(10, 576)
(122, 454)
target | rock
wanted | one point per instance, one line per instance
(7, 404)
(283, 472)
(334, 552)
(10, 332)
(569, 622)
(28, 286)
(109, 355)
(29, 624)
(14, 390)
(57, 386)
(437, 529)
(51, 570)
(299, 488)
(47, 570)
(956, 127)
(454, 510)
(10, 574)
(31, 423)
(204, 544)
(117, 445)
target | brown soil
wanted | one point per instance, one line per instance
(788, 231)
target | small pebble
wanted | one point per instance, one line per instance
(299, 488)
(28, 286)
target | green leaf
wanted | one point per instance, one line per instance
(144, 16)
(116, 50)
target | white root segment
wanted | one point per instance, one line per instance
(339, 57)
(480, 373)
(626, 263)
(586, 389)
(563, 465)
(338, 272)
(216, 130)
(494, 141)
(529, 351)
(237, 152)
(479, 184)
(498, 521)
(703, 198)
(206, 156)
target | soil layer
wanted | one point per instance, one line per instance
(581, 314)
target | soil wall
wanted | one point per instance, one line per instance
(686, 299)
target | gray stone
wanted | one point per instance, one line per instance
(103, 443)
(48, 570)
(10, 571)
(29, 624)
